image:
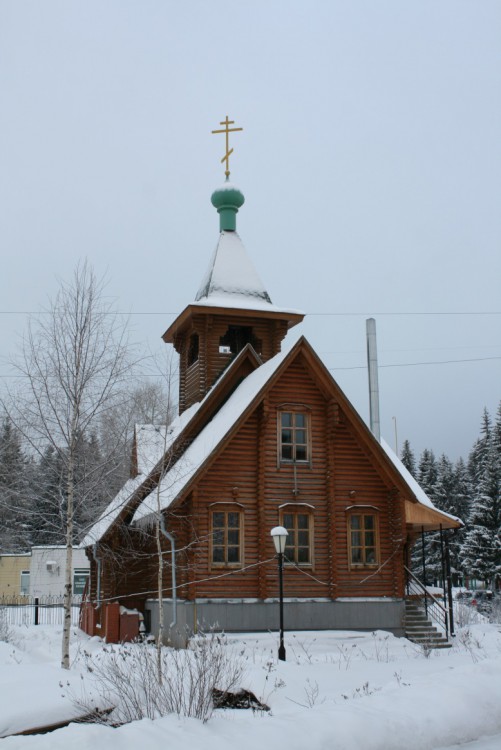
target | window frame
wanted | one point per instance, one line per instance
(80, 572)
(26, 574)
(294, 409)
(363, 511)
(226, 508)
(296, 510)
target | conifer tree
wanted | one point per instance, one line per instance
(408, 459)
(482, 545)
(478, 457)
(50, 498)
(426, 476)
(427, 472)
(460, 507)
(15, 491)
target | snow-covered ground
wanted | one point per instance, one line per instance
(337, 690)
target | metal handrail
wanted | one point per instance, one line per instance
(431, 604)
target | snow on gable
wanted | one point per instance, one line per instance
(111, 513)
(151, 442)
(413, 485)
(177, 478)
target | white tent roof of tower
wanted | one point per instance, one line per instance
(232, 281)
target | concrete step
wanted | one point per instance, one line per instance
(420, 630)
(431, 643)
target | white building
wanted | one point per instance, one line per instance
(47, 570)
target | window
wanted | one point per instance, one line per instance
(25, 583)
(293, 439)
(298, 548)
(363, 539)
(226, 538)
(80, 577)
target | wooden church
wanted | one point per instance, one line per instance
(264, 437)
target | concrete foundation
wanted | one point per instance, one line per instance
(244, 616)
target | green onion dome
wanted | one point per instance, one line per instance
(227, 199)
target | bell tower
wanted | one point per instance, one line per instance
(231, 309)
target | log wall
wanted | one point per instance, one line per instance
(247, 475)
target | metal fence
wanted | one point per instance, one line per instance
(43, 610)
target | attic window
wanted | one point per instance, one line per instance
(193, 349)
(293, 432)
(236, 338)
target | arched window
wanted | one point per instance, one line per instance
(363, 536)
(226, 535)
(298, 520)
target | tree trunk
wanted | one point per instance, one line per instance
(160, 601)
(68, 583)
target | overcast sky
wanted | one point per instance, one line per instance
(370, 161)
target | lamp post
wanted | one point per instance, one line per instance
(280, 535)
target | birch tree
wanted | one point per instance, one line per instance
(74, 364)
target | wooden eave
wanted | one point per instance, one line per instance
(419, 517)
(183, 320)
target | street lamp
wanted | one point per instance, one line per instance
(280, 535)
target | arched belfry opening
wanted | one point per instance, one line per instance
(236, 338)
(193, 349)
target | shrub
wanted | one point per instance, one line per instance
(126, 679)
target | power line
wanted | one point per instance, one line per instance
(418, 364)
(355, 367)
(317, 314)
(380, 314)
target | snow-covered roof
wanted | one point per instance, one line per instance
(416, 489)
(152, 442)
(111, 513)
(151, 446)
(231, 273)
(241, 302)
(211, 436)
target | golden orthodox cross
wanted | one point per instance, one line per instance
(227, 130)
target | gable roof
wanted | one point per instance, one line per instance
(198, 447)
(149, 444)
(177, 479)
(148, 454)
(153, 443)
